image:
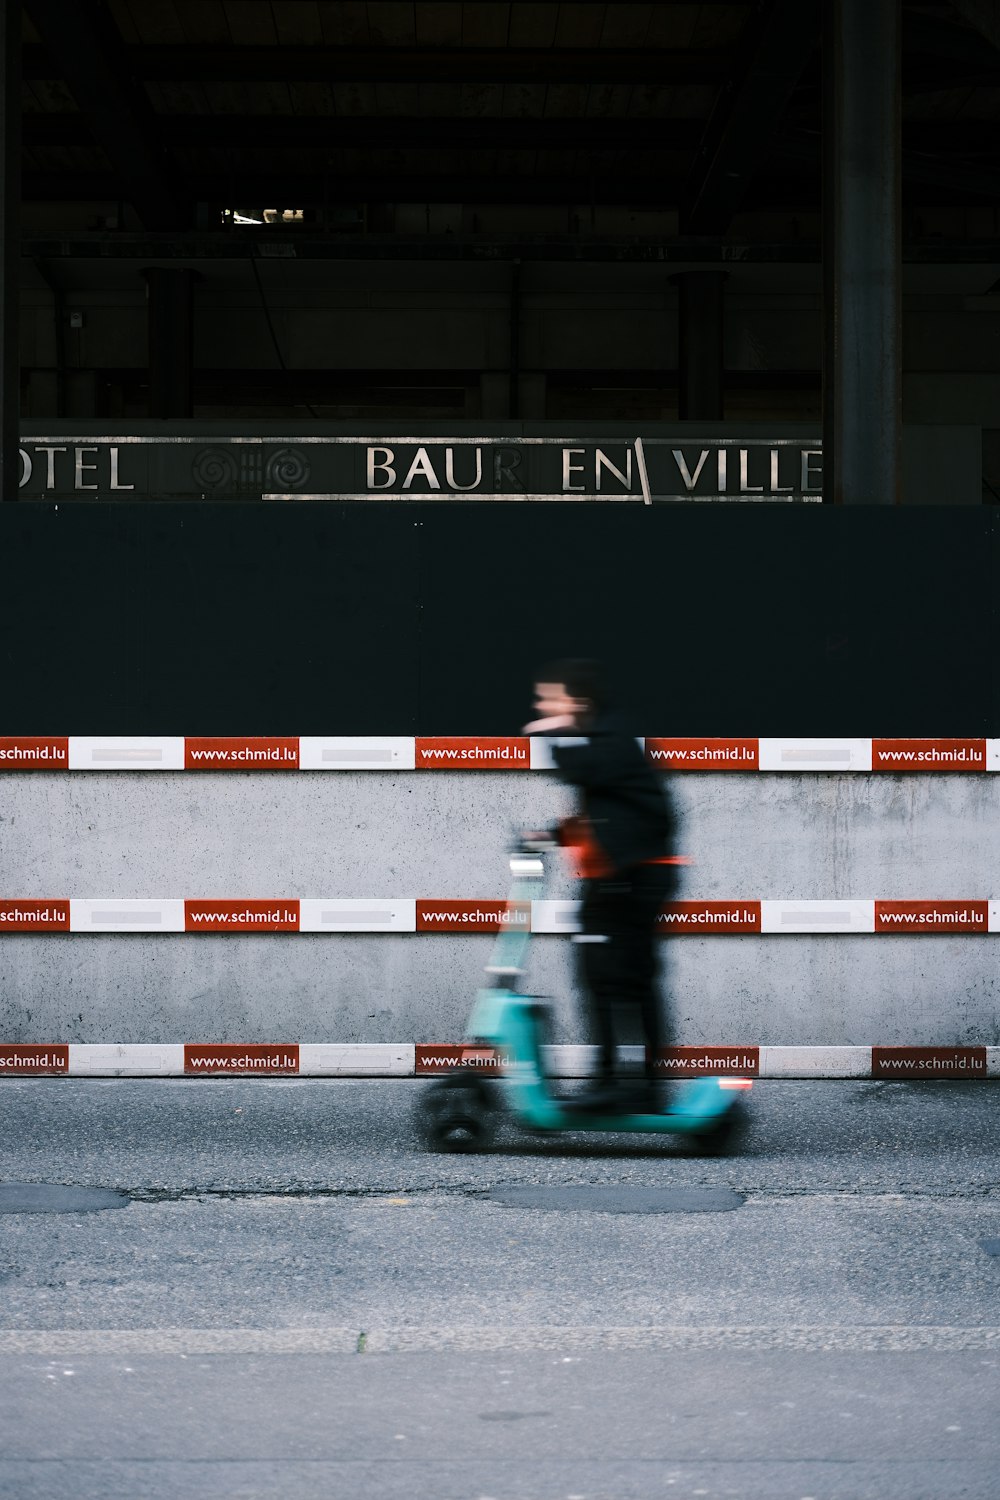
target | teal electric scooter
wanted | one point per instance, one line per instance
(458, 1112)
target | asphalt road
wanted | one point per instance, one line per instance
(297, 1302)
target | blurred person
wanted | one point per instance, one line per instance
(622, 839)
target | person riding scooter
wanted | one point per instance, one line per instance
(622, 838)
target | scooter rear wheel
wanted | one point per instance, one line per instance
(456, 1114)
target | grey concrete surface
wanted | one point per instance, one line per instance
(435, 834)
(528, 1425)
(298, 1303)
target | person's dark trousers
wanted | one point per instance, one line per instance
(618, 948)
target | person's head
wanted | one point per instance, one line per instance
(571, 687)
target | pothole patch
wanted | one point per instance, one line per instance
(621, 1200)
(57, 1198)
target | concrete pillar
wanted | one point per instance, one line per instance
(862, 366)
(10, 247)
(700, 396)
(170, 296)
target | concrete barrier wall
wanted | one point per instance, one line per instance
(378, 834)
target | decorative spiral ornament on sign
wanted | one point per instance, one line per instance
(214, 469)
(287, 469)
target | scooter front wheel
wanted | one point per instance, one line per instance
(456, 1114)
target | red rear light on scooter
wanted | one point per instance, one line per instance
(735, 1083)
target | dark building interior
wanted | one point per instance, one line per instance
(276, 209)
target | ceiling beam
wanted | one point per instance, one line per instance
(781, 39)
(964, 137)
(190, 64)
(393, 132)
(482, 249)
(83, 43)
(248, 243)
(969, 138)
(310, 189)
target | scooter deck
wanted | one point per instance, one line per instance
(670, 1122)
(699, 1107)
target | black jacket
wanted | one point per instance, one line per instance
(622, 797)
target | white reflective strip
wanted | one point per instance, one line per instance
(554, 916)
(125, 915)
(351, 914)
(993, 755)
(121, 753)
(993, 1062)
(815, 755)
(357, 1059)
(570, 1061)
(540, 756)
(589, 937)
(540, 753)
(574, 1061)
(351, 753)
(993, 916)
(815, 1062)
(817, 916)
(126, 1060)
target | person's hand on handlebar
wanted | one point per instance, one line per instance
(555, 721)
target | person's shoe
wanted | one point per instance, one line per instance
(653, 1096)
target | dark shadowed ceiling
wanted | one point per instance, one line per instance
(171, 115)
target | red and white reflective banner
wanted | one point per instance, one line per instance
(817, 1062)
(843, 917)
(429, 1058)
(406, 1059)
(34, 916)
(24, 1060)
(555, 916)
(473, 916)
(203, 1060)
(126, 1060)
(703, 754)
(241, 916)
(253, 753)
(456, 915)
(929, 755)
(711, 753)
(113, 752)
(929, 1062)
(354, 914)
(344, 753)
(356, 1059)
(929, 917)
(87, 914)
(30, 752)
(708, 1062)
(705, 918)
(815, 755)
(476, 753)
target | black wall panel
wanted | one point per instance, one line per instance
(430, 618)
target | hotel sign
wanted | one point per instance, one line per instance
(643, 470)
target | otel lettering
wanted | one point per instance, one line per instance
(79, 464)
